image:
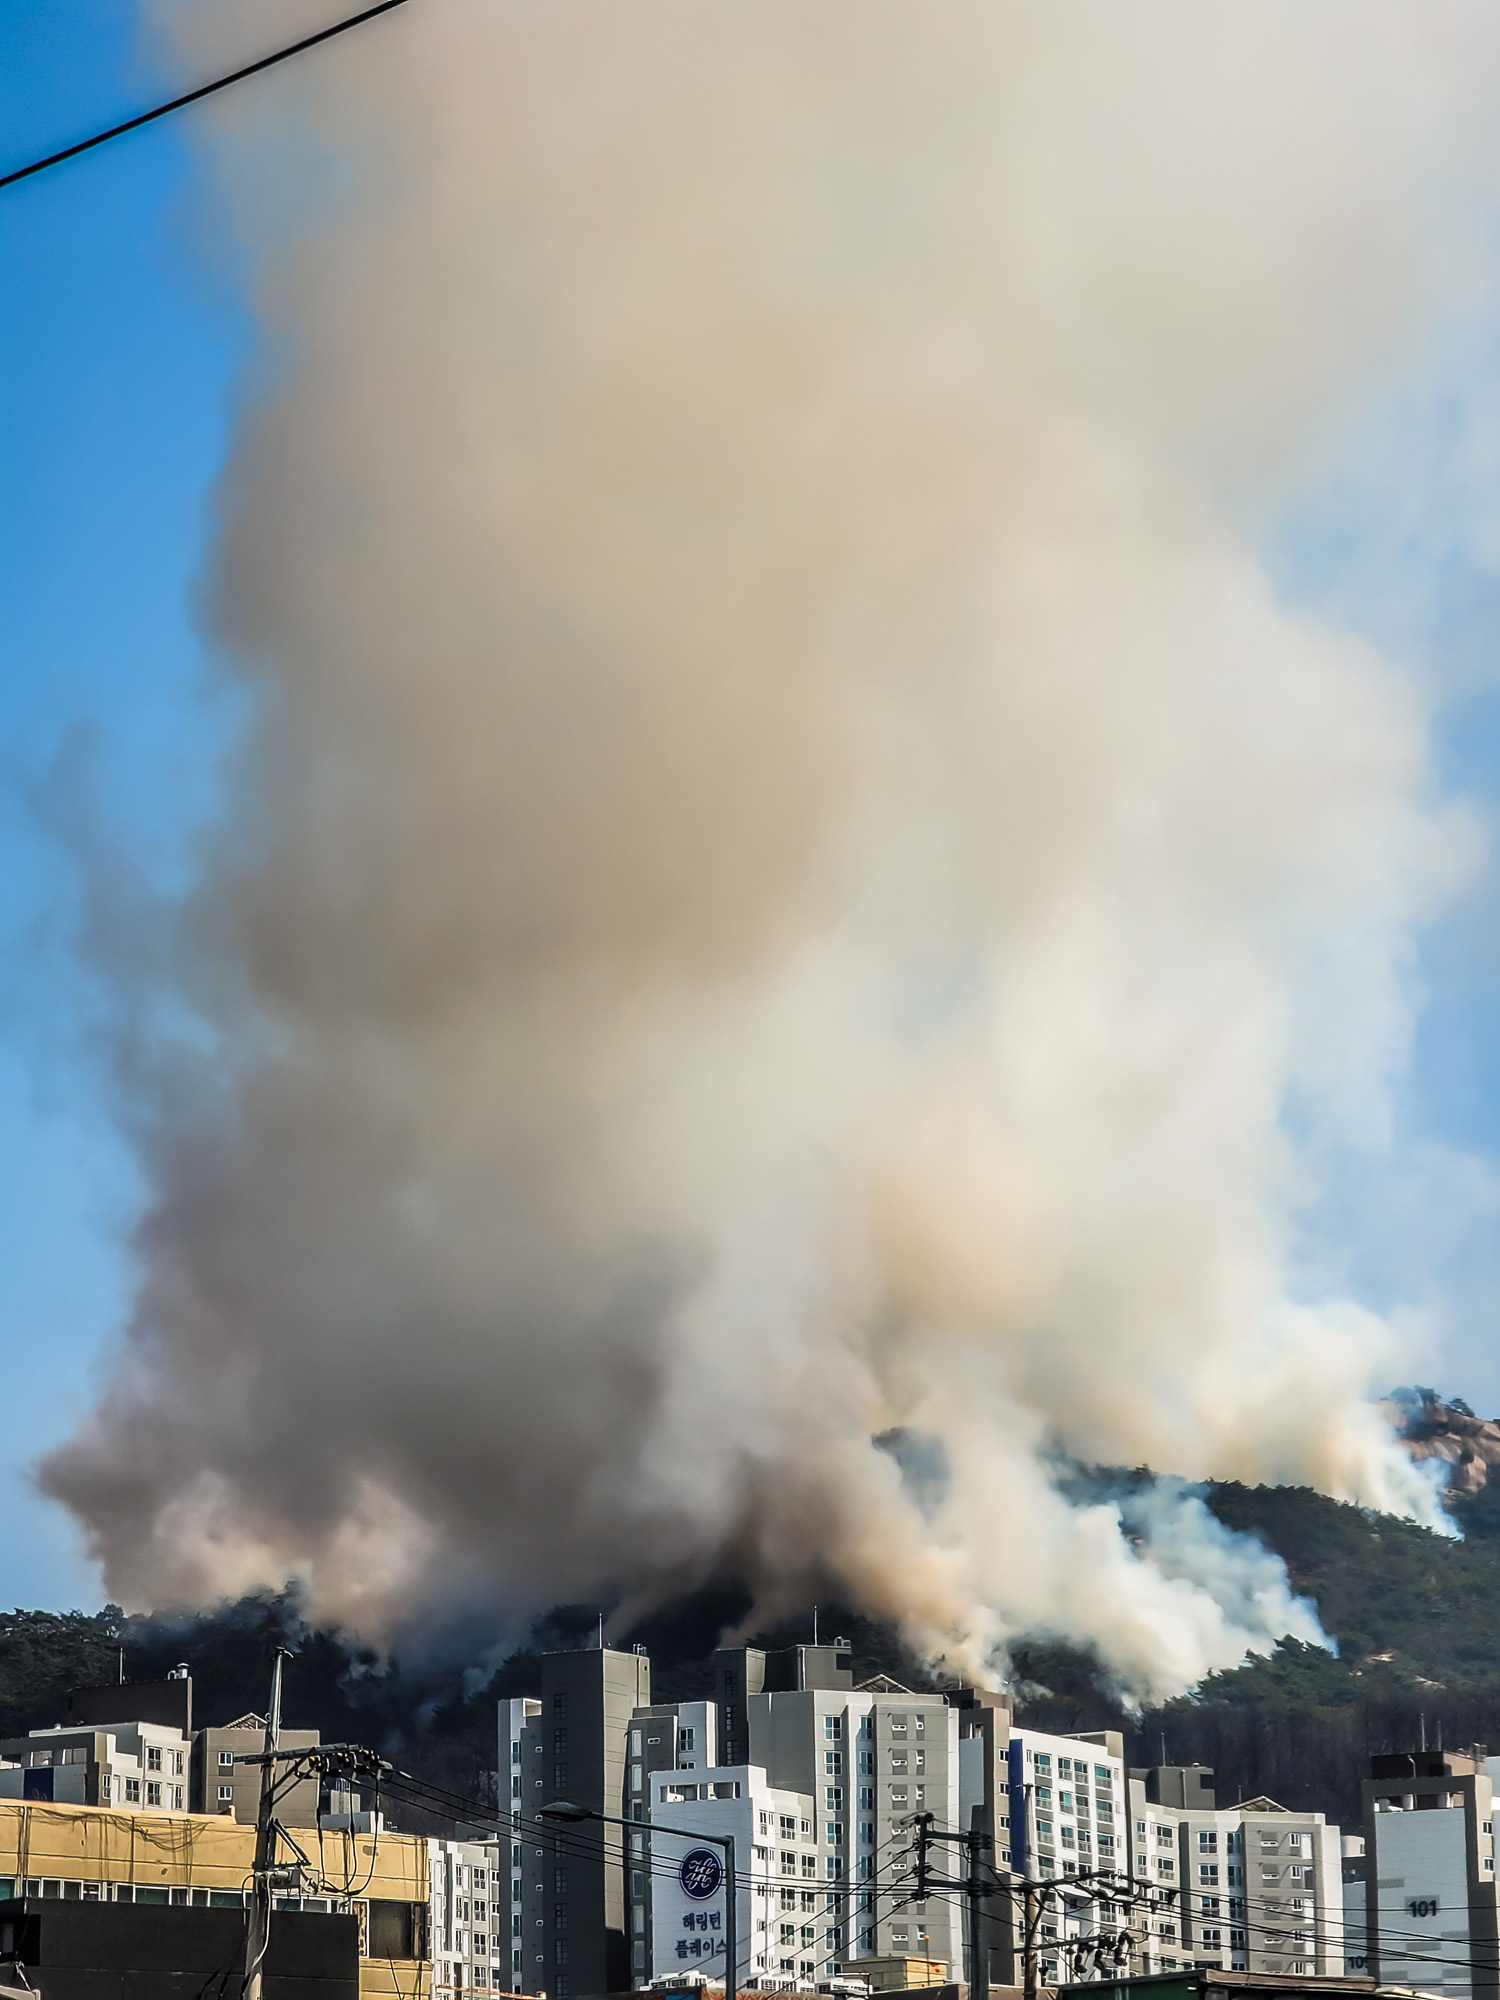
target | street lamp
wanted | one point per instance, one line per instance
(563, 1809)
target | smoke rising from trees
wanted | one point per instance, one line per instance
(788, 879)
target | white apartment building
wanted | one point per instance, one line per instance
(870, 1759)
(132, 1764)
(469, 1946)
(1250, 1887)
(786, 1914)
(1067, 1816)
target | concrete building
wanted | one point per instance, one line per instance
(219, 1783)
(1430, 1899)
(785, 1913)
(1247, 1888)
(1065, 1814)
(469, 1946)
(565, 1893)
(870, 1758)
(1356, 1920)
(54, 1854)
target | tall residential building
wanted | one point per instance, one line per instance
(565, 1893)
(785, 1912)
(666, 1736)
(469, 1948)
(1064, 1813)
(1249, 1888)
(1430, 1897)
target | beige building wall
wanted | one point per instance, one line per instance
(61, 1850)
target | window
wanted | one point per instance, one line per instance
(686, 1739)
(560, 1777)
(834, 1798)
(226, 1793)
(833, 1763)
(176, 1763)
(153, 1757)
(1101, 1774)
(104, 1787)
(833, 1728)
(809, 1864)
(559, 1708)
(559, 1916)
(1208, 1843)
(226, 1760)
(559, 1881)
(1294, 1840)
(1208, 1874)
(153, 1795)
(1043, 1761)
(177, 1798)
(1296, 1873)
(132, 1791)
(1065, 1767)
(866, 1763)
(515, 1788)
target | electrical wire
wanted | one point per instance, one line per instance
(195, 96)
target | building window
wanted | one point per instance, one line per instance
(833, 1728)
(559, 1916)
(559, 1708)
(104, 1787)
(833, 1798)
(153, 1757)
(226, 1760)
(833, 1763)
(153, 1795)
(177, 1798)
(132, 1791)
(560, 1777)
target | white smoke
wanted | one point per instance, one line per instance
(789, 875)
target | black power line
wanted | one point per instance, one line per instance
(193, 96)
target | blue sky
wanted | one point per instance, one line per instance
(119, 347)
(117, 353)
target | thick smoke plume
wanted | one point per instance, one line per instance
(789, 881)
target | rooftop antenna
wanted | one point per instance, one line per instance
(601, 1631)
(815, 1624)
(1440, 1732)
(1422, 1727)
(1164, 1746)
(122, 1666)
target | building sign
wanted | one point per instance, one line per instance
(701, 1874)
(1422, 1906)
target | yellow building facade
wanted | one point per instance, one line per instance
(92, 1853)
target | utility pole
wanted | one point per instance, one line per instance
(258, 1934)
(1030, 1924)
(976, 1887)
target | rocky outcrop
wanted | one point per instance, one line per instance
(1470, 1445)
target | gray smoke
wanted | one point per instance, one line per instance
(787, 871)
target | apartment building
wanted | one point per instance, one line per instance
(1064, 1814)
(870, 1758)
(666, 1736)
(466, 1890)
(219, 1782)
(142, 1766)
(785, 1913)
(565, 1894)
(1248, 1888)
(1430, 1896)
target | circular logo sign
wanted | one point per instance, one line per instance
(701, 1874)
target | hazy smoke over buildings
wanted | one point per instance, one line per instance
(788, 878)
